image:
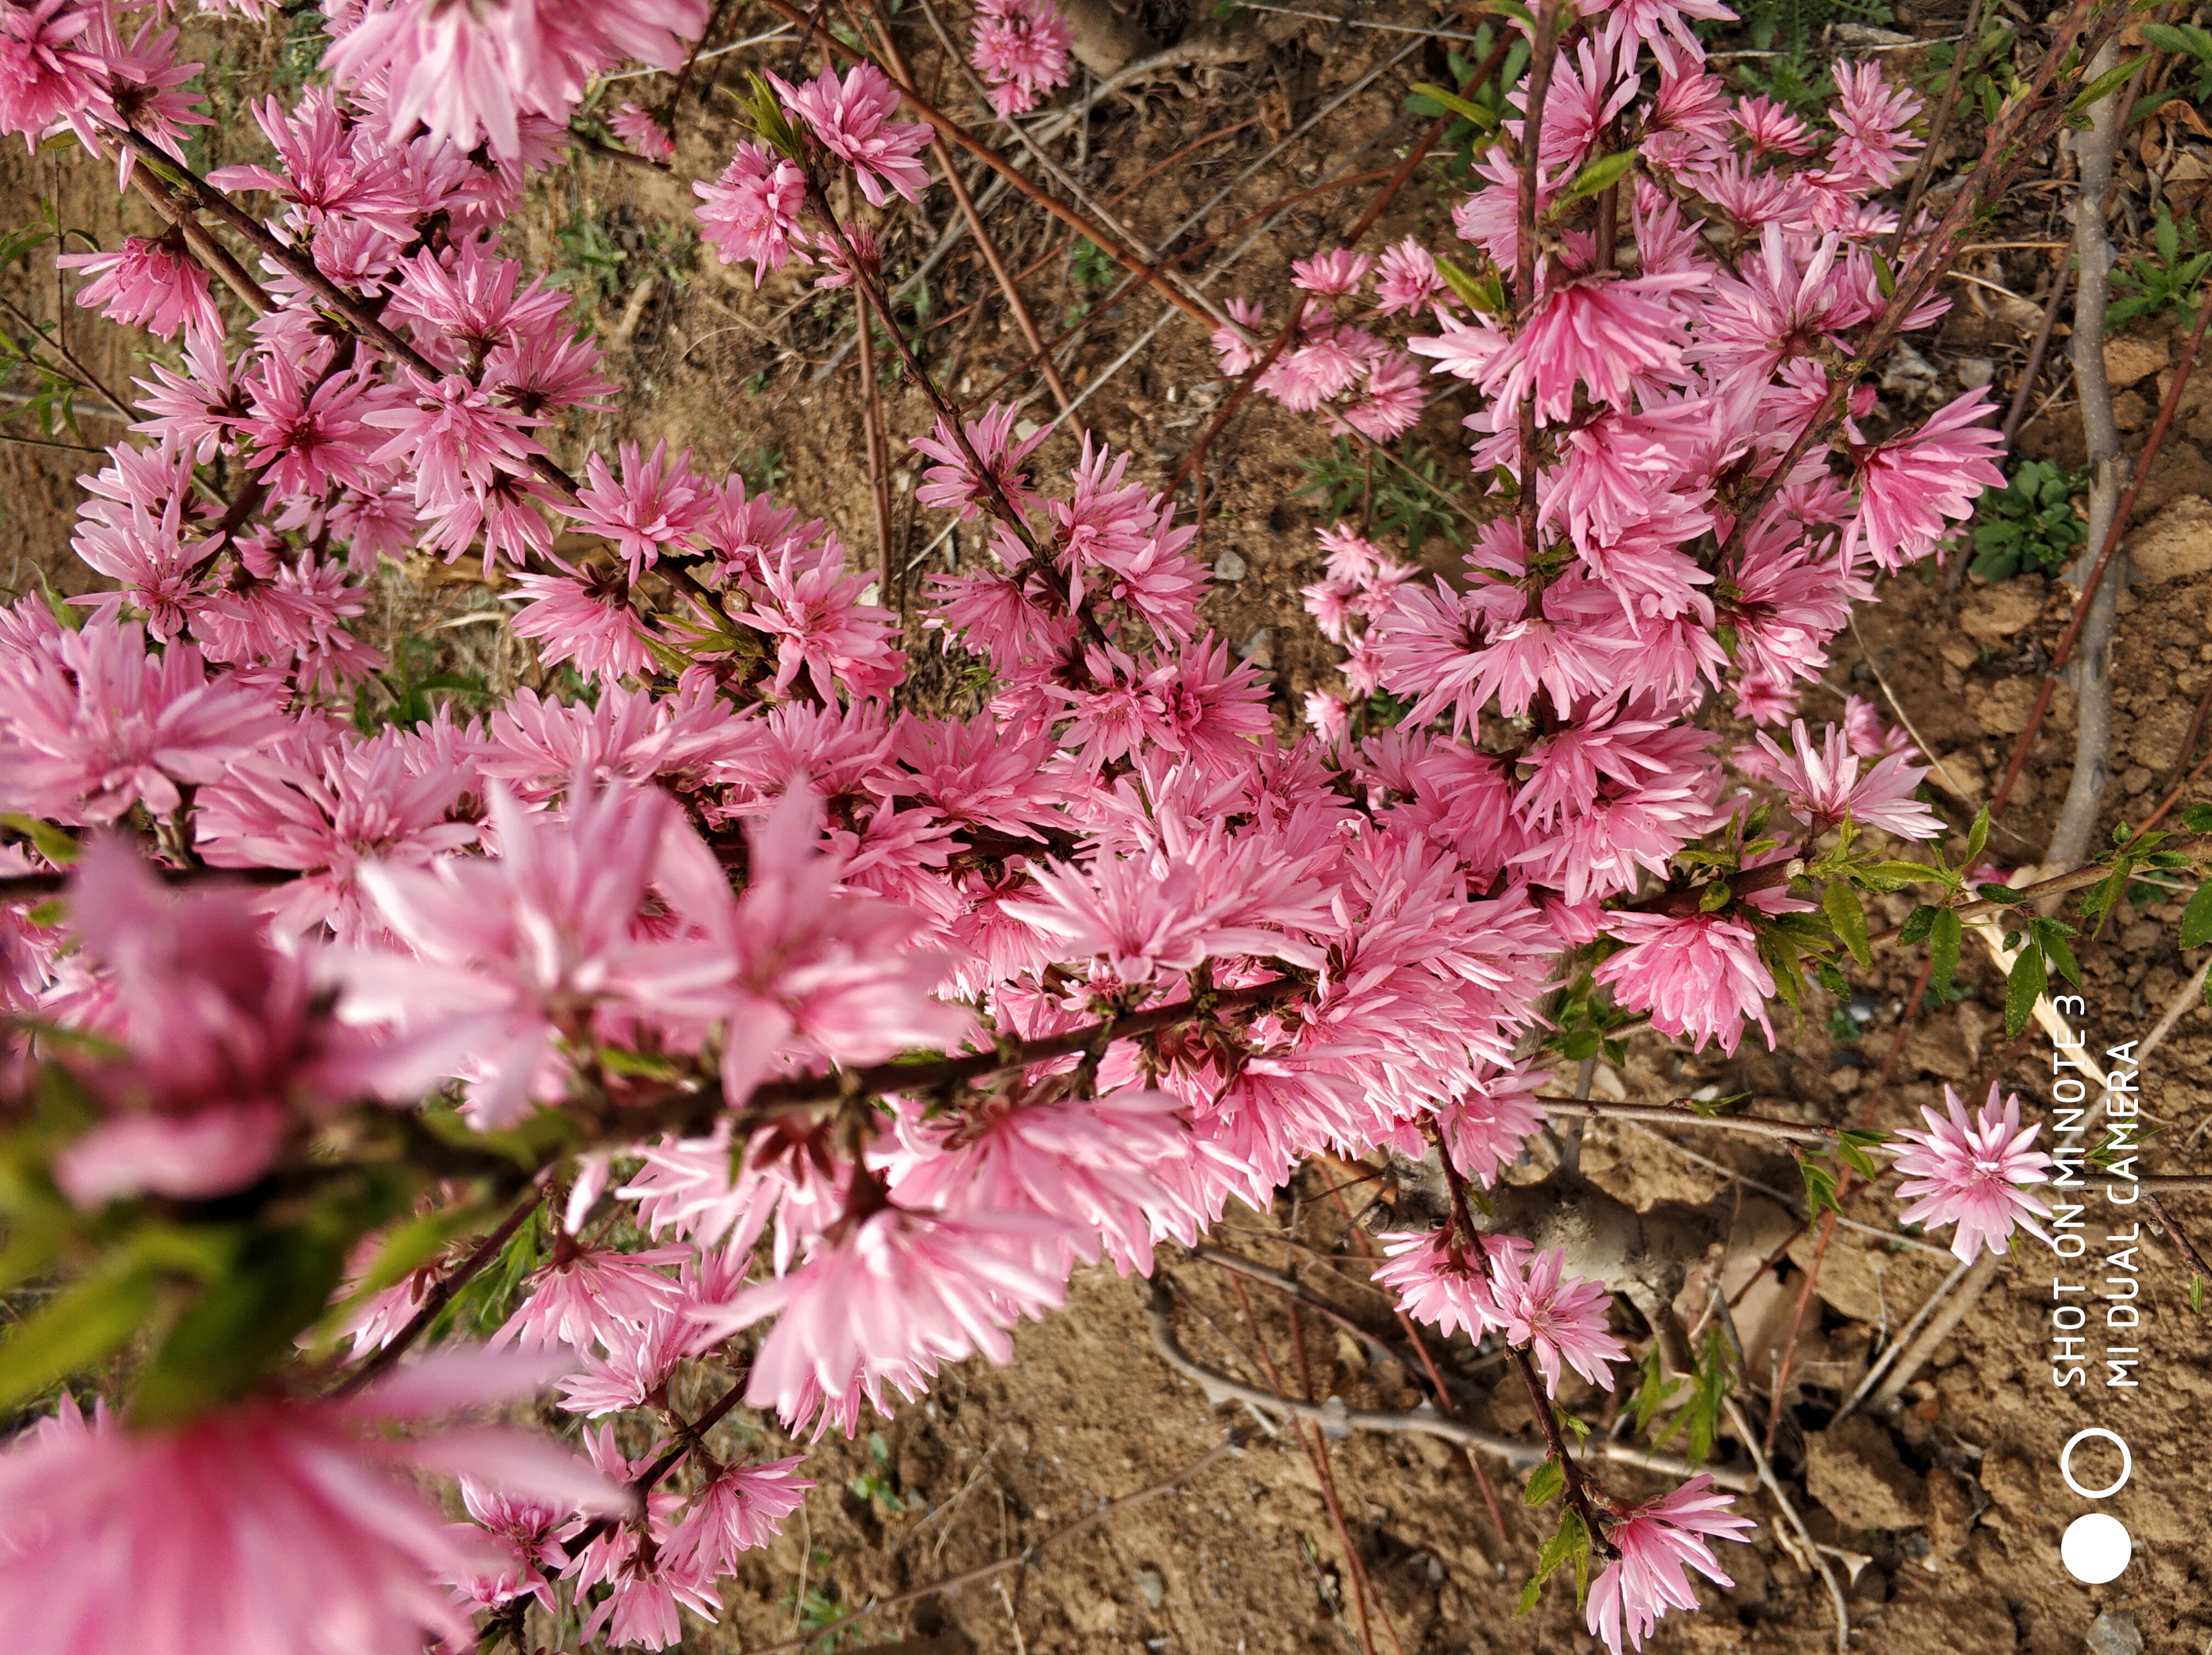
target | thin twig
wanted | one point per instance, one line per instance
(1773, 1486)
(1904, 1338)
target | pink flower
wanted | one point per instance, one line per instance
(1636, 1590)
(1698, 975)
(1438, 1283)
(271, 1524)
(45, 73)
(586, 1294)
(1824, 786)
(1406, 278)
(513, 956)
(1609, 335)
(1236, 349)
(1561, 1317)
(147, 283)
(1485, 1127)
(1021, 47)
(655, 505)
(1873, 121)
(1332, 275)
(851, 120)
(1909, 486)
(95, 724)
(740, 1511)
(953, 483)
(884, 1301)
(814, 611)
(642, 130)
(751, 212)
(589, 622)
(1974, 1174)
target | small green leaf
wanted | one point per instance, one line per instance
(1444, 100)
(2196, 1295)
(1978, 835)
(76, 1330)
(1885, 278)
(2194, 42)
(2197, 918)
(2198, 818)
(2003, 895)
(1841, 904)
(2105, 85)
(1545, 1484)
(1945, 934)
(2023, 987)
(1485, 294)
(1916, 926)
(241, 1324)
(1605, 171)
(1819, 1189)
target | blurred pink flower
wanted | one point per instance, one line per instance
(271, 1524)
(1974, 1174)
(1021, 47)
(1636, 1590)
(642, 130)
(882, 1302)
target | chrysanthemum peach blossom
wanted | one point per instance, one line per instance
(1974, 1174)
(1634, 1592)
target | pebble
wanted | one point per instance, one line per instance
(1229, 566)
(1257, 651)
(1024, 430)
(1975, 372)
(2115, 1634)
(1152, 1587)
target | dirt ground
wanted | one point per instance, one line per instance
(1945, 1514)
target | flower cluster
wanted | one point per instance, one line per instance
(792, 1030)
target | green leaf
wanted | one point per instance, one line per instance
(1885, 278)
(77, 1329)
(2196, 1295)
(1978, 835)
(2105, 85)
(2198, 818)
(1652, 1394)
(1917, 924)
(1444, 100)
(2023, 987)
(1545, 1484)
(242, 1324)
(2193, 41)
(1485, 293)
(2003, 895)
(1819, 1189)
(1841, 904)
(56, 845)
(2197, 918)
(1944, 935)
(1601, 173)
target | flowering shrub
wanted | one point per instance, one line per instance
(873, 1025)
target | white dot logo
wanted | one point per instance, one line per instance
(2096, 1549)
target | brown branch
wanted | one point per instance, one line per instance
(896, 60)
(2028, 375)
(951, 129)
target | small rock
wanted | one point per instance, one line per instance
(2130, 359)
(1025, 428)
(2130, 411)
(1256, 649)
(1152, 1587)
(2175, 542)
(1975, 372)
(1908, 374)
(1961, 653)
(2115, 1634)
(1852, 1468)
(2002, 709)
(1994, 614)
(1229, 566)
(1960, 775)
